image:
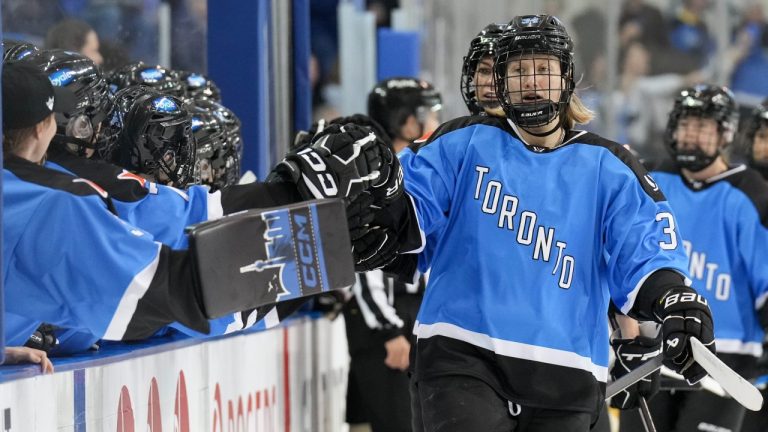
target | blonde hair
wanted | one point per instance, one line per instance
(577, 113)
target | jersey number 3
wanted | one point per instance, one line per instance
(668, 230)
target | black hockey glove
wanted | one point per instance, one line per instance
(341, 162)
(360, 214)
(375, 249)
(389, 186)
(684, 313)
(631, 354)
(43, 339)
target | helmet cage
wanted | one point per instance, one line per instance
(154, 142)
(212, 146)
(708, 102)
(483, 45)
(542, 39)
(757, 120)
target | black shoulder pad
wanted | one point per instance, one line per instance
(755, 188)
(460, 123)
(50, 178)
(121, 184)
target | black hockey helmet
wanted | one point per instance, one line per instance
(17, 50)
(528, 35)
(140, 73)
(94, 123)
(218, 162)
(231, 124)
(198, 86)
(157, 137)
(392, 101)
(706, 101)
(758, 119)
(482, 45)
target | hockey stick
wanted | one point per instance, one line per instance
(636, 375)
(645, 415)
(645, 412)
(736, 386)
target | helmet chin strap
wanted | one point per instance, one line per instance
(555, 128)
(65, 141)
(695, 160)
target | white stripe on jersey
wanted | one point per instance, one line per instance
(130, 299)
(760, 302)
(735, 346)
(513, 349)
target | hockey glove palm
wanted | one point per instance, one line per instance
(375, 249)
(631, 354)
(683, 314)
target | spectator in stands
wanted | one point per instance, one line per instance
(644, 23)
(189, 18)
(692, 43)
(642, 100)
(748, 52)
(115, 56)
(14, 355)
(28, 20)
(75, 35)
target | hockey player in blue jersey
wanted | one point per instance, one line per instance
(721, 210)
(539, 227)
(477, 82)
(754, 139)
(753, 146)
(89, 134)
(56, 226)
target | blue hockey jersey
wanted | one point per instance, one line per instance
(725, 225)
(161, 210)
(53, 223)
(527, 248)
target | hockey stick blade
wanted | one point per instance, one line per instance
(636, 375)
(736, 386)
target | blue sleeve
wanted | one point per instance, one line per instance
(640, 235)
(76, 265)
(167, 211)
(430, 177)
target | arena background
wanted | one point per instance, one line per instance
(282, 63)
